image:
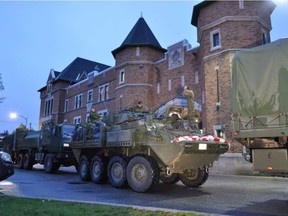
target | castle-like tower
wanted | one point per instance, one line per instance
(224, 27)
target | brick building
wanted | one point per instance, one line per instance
(145, 71)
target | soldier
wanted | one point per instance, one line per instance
(94, 116)
(139, 107)
(189, 94)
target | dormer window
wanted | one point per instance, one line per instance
(49, 87)
(91, 78)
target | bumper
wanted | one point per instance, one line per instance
(6, 170)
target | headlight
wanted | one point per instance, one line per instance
(66, 145)
(6, 157)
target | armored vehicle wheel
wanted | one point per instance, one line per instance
(98, 169)
(170, 179)
(20, 160)
(49, 165)
(27, 161)
(142, 173)
(84, 168)
(117, 171)
(194, 178)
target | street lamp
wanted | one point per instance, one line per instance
(15, 115)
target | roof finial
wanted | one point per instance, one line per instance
(141, 14)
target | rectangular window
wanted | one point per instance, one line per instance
(66, 105)
(215, 39)
(48, 107)
(121, 76)
(241, 4)
(182, 81)
(77, 120)
(90, 96)
(103, 112)
(264, 37)
(203, 97)
(137, 51)
(196, 77)
(78, 101)
(103, 92)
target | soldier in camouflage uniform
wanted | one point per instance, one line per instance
(189, 94)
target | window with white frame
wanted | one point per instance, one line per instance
(121, 76)
(241, 4)
(203, 97)
(48, 109)
(66, 105)
(90, 96)
(137, 51)
(215, 39)
(196, 77)
(169, 85)
(103, 112)
(182, 81)
(77, 120)
(103, 92)
(78, 101)
(158, 88)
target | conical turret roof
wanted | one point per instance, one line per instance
(140, 35)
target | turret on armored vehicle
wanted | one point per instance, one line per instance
(49, 146)
(141, 148)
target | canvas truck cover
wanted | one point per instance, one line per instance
(260, 80)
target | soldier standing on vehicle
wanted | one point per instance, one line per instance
(94, 116)
(189, 94)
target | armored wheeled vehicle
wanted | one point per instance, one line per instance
(48, 146)
(140, 149)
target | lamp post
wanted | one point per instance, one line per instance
(15, 115)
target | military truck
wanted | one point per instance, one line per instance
(139, 149)
(260, 105)
(48, 146)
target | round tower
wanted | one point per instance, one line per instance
(223, 27)
(134, 65)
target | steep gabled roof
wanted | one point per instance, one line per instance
(140, 35)
(78, 66)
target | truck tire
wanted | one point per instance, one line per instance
(20, 159)
(98, 169)
(84, 168)
(170, 179)
(142, 173)
(117, 171)
(49, 165)
(194, 178)
(27, 161)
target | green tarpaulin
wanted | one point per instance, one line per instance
(260, 80)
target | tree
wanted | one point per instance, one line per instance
(1, 88)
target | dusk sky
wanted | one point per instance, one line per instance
(36, 36)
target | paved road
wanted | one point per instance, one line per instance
(227, 195)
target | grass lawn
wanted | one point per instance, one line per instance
(27, 206)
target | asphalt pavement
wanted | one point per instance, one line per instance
(221, 194)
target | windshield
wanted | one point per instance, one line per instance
(68, 132)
